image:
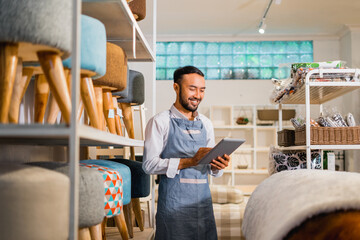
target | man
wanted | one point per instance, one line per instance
(175, 141)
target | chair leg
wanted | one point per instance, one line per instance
(80, 110)
(22, 80)
(52, 67)
(53, 110)
(95, 232)
(8, 65)
(117, 118)
(109, 110)
(41, 97)
(129, 124)
(89, 100)
(103, 225)
(137, 210)
(128, 218)
(121, 225)
(84, 234)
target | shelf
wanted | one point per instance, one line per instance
(38, 134)
(321, 92)
(322, 147)
(292, 148)
(120, 23)
(243, 149)
(234, 127)
(263, 149)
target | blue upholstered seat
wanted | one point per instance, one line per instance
(93, 47)
(123, 170)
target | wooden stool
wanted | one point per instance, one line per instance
(21, 37)
(138, 8)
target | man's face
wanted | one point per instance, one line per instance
(191, 91)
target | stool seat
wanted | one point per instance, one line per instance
(140, 181)
(34, 203)
(37, 25)
(91, 192)
(136, 89)
(93, 48)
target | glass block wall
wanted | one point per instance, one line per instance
(232, 60)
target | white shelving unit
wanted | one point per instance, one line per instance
(123, 30)
(254, 152)
(319, 93)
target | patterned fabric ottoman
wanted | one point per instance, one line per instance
(113, 185)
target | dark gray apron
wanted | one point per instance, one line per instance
(184, 205)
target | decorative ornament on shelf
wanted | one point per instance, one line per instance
(242, 120)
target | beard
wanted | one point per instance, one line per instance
(185, 103)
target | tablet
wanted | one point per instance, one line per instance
(225, 146)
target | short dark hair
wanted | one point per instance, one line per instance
(185, 70)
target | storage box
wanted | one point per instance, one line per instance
(329, 136)
(286, 137)
(273, 114)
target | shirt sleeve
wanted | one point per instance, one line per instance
(155, 139)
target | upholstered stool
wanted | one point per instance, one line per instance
(34, 203)
(304, 204)
(21, 36)
(138, 8)
(115, 79)
(124, 173)
(140, 187)
(91, 197)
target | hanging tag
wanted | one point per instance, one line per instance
(111, 113)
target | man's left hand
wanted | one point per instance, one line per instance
(220, 162)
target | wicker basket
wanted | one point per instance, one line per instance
(286, 137)
(329, 136)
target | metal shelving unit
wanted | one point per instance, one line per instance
(123, 30)
(319, 93)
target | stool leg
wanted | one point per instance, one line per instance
(121, 225)
(41, 97)
(109, 111)
(117, 118)
(129, 124)
(80, 110)
(52, 66)
(100, 107)
(137, 210)
(84, 234)
(8, 65)
(53, 110)
(103, 225)
(89, 100)
(95, 232)
(128, 219)
(22, 80)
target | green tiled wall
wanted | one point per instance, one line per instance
(232, 60)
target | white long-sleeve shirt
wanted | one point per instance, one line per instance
(156, 136)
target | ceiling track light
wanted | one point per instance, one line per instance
(262, 24)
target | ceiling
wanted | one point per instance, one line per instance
(242, 17)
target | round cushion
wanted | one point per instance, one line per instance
(91, 192)
(34, 203)
(93, 47)
(136, 89)
(123, 170)
(37, 25)
(140, 181)
(138, 8)
(116, 68)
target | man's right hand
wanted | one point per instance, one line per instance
(189, 162)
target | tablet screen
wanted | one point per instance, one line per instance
(225, 146)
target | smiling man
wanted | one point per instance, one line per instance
(175, 141)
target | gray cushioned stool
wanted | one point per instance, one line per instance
(91, 192)
(35, 31)
(34, 203)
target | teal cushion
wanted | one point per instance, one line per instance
(123, 170)
(93, 47)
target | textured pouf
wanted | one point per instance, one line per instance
(91, 192)
(285, 200)
(35, 30)
(136, 89)
(34, 203)
(138, 8)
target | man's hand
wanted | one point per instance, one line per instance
(220, 162)
(189, 162)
